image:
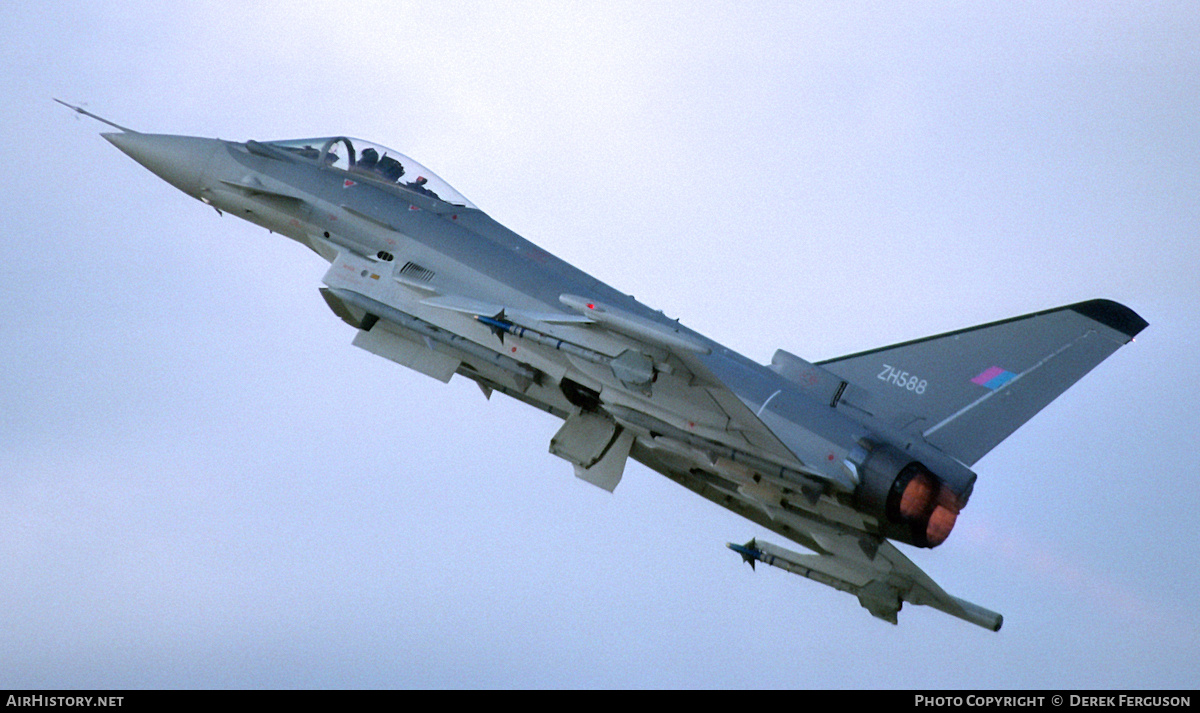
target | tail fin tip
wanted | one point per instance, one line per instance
(1112, 314)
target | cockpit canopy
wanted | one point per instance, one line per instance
(364, 159)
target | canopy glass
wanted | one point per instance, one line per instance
(364, 159)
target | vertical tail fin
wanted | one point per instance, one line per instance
(968, 390)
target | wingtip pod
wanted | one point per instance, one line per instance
(977, 615)
(1112, 314)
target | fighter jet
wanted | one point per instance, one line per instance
(842, 456)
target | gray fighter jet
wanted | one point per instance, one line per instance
(840, 456)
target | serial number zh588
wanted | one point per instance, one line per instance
(902, 379)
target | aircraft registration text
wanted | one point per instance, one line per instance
(902, 379)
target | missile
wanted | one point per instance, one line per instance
(788, 561)
(501, 325)
(632, 368)
(750, 554)
(880, 593)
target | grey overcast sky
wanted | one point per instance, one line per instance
(203, 484)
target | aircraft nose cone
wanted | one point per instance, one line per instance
(178, 160)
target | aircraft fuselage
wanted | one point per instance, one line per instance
(838, 457)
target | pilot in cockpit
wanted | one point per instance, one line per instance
(390, 169)
(419, 186)
(367, 161)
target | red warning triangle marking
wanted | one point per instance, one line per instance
(347, 183)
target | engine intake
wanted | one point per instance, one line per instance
(912, 504)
